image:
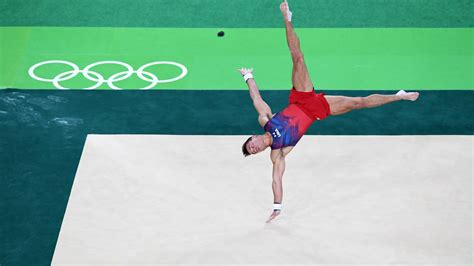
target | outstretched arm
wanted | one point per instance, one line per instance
(263, 110)
(278, 160)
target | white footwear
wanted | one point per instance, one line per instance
(401, 92)
(288, 12)
(412, 96)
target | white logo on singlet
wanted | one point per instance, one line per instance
(276, 133)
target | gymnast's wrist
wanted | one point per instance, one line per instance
(277, 206)
(248, 76)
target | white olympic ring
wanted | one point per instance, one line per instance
(96, 77)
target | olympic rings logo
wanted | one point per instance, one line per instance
(96, 77)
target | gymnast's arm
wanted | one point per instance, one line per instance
(263, 110)
(278, 160)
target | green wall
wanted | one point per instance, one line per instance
(238, 13)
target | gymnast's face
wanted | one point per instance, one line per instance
(256, 144)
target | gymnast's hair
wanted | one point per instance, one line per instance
(244, 148)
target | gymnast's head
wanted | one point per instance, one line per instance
(254, 145)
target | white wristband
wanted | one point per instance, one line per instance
(248, 76)
(276, 207)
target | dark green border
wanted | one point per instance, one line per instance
(237, 14)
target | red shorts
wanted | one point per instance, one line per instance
(312, 104)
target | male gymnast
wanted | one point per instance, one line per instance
(284, 129)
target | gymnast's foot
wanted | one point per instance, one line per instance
(285, 10)
(412, 96)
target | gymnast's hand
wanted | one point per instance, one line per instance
(245, 71)
(275, 213)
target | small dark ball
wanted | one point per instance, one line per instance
(220, 34)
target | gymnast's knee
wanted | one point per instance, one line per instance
(358, 102)
(297, 56)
